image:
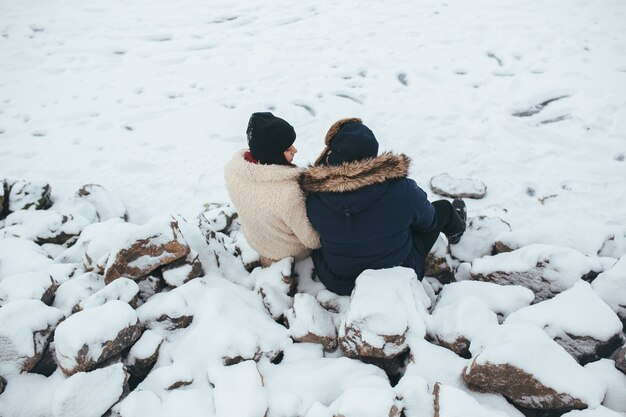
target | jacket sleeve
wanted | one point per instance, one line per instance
(424, 217)
(296, 219)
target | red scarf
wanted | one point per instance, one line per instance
(248, 157)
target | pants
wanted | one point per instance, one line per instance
(448, 221)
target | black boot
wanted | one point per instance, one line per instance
(461, 210)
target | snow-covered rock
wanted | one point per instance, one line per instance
(61, 273)
(455, 325)
(90, 394)
(439, 264)
(43, 226)
(107, 205)
(385, 306)
(309, 322)
(138, 250)
(27, 286)
(26, 330)
(3, 384)
(143, 354)
(4, 197)
(21, 255)
(47, 365)
(219, 252)
(230, 325)
(453, 402)
(611, 287)
(122, 289)
(369, 397)
(276, 286)
(167, 311)
(94, 335)
(615, 397)
(546, 270)
(239, 391)
(183, 269)
(72, 292)
(26, 195)
(445, 185)
(501, 299)
(520, 361)
(578, 320)
(220, 217)
(480, 237)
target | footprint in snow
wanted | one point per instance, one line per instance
(537, 107)
(620, 158)
(349, 97)
(402, 78)
(306, 107)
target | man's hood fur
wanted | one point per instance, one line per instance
(351, 176)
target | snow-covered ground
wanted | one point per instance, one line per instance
(151, 99)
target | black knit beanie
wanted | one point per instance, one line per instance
(269, 137)
(353, 142)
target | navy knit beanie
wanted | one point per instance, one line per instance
(353, 142)
(269, 137)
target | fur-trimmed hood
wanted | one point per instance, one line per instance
(351, 176)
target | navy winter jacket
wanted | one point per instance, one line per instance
(364, 212)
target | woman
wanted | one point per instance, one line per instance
(263, 185)
(368, 213)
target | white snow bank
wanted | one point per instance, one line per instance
(611, 287)
(26, 326)
(576, 312)
(21, 255)
(501, 299)
(527, 347)
(89, 394)
(92, 328)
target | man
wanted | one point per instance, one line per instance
(368, 214)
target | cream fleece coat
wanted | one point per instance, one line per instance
(271, 208)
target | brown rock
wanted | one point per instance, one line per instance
(125, 338)
(353, 345)
(587, 349)
(460, 346)
(501, 247)
(24, 195)
(139, 366)
(518, 386)
(152, 253)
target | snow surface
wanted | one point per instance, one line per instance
(21, 255)
(72, 292)
(122, 289)
(454, 402)
(596, 412)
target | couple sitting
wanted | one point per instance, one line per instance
(353, 208)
